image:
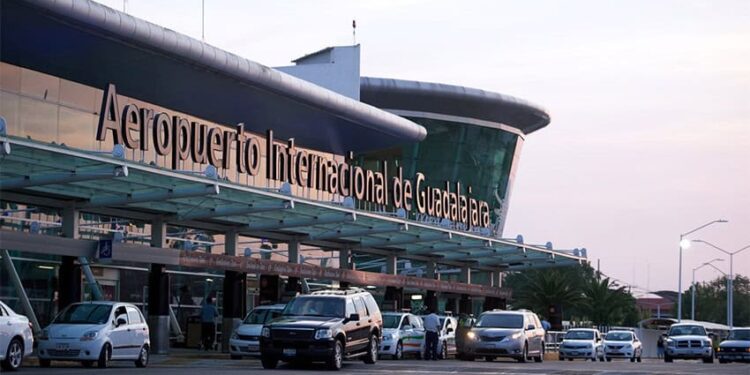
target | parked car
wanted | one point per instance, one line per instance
(502, 333)
(447, 338)
(584, 343)
(688, 341)
(245, 340)
(736, 348)
(403, 333)
(96, 333)
(16, 338)
(327, 326)
(622, 344)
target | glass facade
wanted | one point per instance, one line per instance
(477, 156)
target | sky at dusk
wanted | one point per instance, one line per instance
(649, 100)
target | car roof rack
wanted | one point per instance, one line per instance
(338, 292)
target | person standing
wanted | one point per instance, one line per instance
(660, 346)
(432, 330)
(208, 323)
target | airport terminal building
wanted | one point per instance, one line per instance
(141, 165)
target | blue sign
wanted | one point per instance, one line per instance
(104, 250)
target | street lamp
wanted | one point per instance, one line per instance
(692, 298)
(684, 243)
(730, 280)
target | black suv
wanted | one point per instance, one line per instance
(327, 326)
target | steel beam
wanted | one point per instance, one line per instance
(20, 291)
(234, 210)
(356, 232)
(152, 195)
(303, 222)
(63, 177)
(420, 238)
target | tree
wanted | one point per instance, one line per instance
(711, 301)
(604, 303)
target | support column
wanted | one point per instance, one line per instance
(293, 283)
(69, 274)
(391, 266)
(430, 270)
(465, 276)
(234, 303)
(345, 262)
(492, 277)
(158, 294)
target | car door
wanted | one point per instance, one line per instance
(419, 334)
(362, 330)
(6, 330)
(136, 331)
(119, 336)
(350, 327)
(450, 334)
(407, 334)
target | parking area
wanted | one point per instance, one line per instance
(183, 365)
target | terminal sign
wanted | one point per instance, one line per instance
(141, 128)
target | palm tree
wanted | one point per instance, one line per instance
(539, 290)
(604, 303)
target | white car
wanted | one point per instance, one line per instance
(585, 343)
(96, 332)
(622, 344)
(16, 338)
(245, 340)
(447, 338)
(402, 333)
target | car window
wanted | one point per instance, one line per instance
(121, 313)
(350, 308)
(389, 321)
(416, 322)
(315, 306)
(84, 314)
(372, 306)
(619, 336)
(579, 335)
(2, 311)
(360, 306)
(272, 314)
(500, 321)
(406, 322)
(687, 330)
(739, 334)
(133, 316)
(537, 323)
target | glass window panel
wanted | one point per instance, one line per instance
(40, 85)
(78, 96)
(10, 77)
(38, 120)
(77, 128)
(9, 109)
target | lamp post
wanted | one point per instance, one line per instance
(684, 244)
(692, 298)
(730, 280)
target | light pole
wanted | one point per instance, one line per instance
(684, 244)
(730, 280)
(692, 298)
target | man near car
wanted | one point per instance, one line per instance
(432, 329)
(208, 323)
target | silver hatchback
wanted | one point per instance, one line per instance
(501, 333)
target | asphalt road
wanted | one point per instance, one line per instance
(181, 366)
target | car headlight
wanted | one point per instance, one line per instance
(266, 332)
(707, 343)
(234, 336)
(387, 337)
(90, 335)
(323, 334)
(514, 336)
(670, 343)
(471, 335)
(44, 335)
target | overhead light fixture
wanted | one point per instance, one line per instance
(416, 297)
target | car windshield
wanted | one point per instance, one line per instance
(84, 314)
(391, 321)
(261, 316)
(316, 306)
(500, 321)
(739, 334)
(619, 336)
(579, 335)
(687, 331)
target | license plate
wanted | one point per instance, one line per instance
(253, 348)
(61, 346)
(290, 352)
(574, 353)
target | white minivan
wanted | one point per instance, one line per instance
(16, 338)
(245, 340)
(96, 332)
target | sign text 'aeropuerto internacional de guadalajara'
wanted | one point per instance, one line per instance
(141, 128)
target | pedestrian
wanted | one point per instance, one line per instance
(546, 325)
(660, 346)
(208, 323)
(432, 330)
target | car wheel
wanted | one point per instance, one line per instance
(708, 359)
(525, 356)
(631, 359)
(104, 356)
(561, 358)
(269, 363)
(142, 360)
(540, 357)
(489, 359)
(667, 358)
(235, 357)
(372, 351)
(44, 362)
(639, 359)
(14, 356)
(337, 357)
(399, 351)
(601, 359)
(609, 359)
(570, 359)
(87, 364)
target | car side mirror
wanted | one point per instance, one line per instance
(354, 317)
(530, 327)
(121, 322)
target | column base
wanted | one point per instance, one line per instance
(159, 328)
